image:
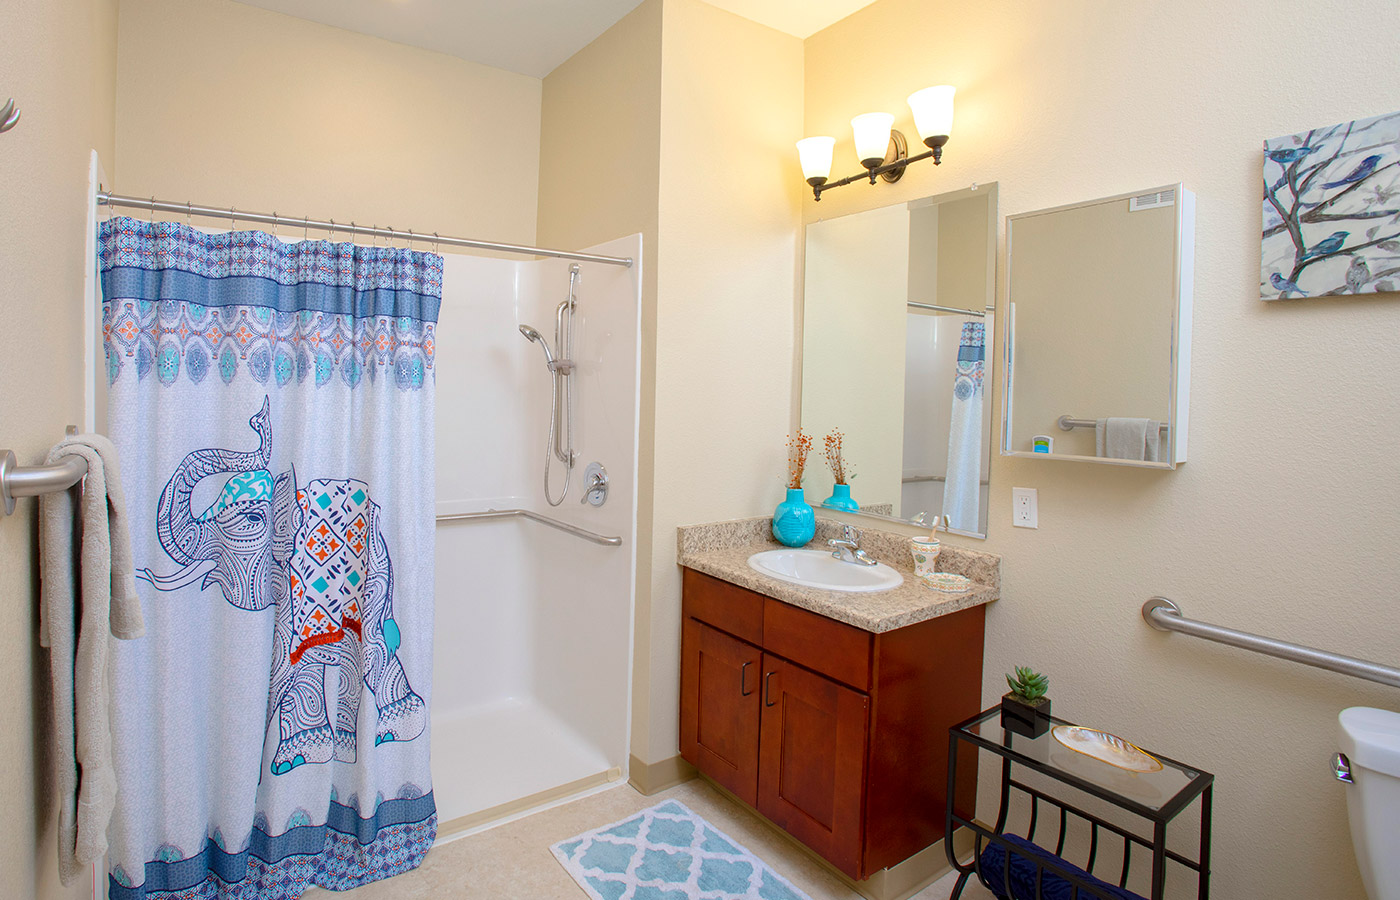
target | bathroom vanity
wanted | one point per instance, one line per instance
(828, 712)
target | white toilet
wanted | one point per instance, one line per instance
(1370, 762)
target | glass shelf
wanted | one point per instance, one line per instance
(1158, 795)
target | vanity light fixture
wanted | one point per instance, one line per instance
(882, 149)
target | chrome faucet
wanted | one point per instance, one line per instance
(847, 548)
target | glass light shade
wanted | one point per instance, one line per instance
(933, 111)
(872, 136)
(815, 153)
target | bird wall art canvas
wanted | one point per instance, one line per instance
(1332, 211)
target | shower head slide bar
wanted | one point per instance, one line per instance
(534, 516)
(1164, 615)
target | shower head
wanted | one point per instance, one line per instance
(533, 335)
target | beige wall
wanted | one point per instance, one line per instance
(273, 113)
(731, 106)
(1295, 412)
(600, 162)
(59, 65)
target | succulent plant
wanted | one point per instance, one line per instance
(1029, 685)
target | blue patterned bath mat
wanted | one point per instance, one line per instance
(668, 853)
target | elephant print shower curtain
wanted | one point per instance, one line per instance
(962, 487)
(273, 406)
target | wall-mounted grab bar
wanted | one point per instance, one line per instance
(31, 481)
(1164, 615)
(544, 520)
(1068, 423)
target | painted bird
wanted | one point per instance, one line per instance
(1289, 155)
(1285, 286)
(1357, 274)
(1328, 245)
(1364, 168)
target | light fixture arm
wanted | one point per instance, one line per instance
(935, 153)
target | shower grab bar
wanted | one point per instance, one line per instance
(1067, 423)
(1164, 615)
(543, 520)
(31, 481)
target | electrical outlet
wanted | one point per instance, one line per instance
(1023, 508)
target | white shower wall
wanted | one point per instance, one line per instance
(533, 625)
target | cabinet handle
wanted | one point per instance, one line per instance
(744, 679)
(768, 689)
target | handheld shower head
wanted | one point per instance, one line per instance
(533, 335)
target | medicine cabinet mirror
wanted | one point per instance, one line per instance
(896, 354)
(1098, 330)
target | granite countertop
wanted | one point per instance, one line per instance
(722, 549)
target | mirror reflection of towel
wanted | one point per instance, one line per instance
(1121, 438)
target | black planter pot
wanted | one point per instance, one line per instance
(1026, 719)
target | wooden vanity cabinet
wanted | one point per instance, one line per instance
(836, 734)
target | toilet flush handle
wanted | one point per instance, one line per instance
(1341, 768)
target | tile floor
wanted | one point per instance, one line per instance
(513, 860)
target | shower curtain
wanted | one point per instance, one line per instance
(962, 491)
(273, 406)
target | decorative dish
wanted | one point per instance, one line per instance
(1105, 747)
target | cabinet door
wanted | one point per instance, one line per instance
(812, 766)
(720, 678)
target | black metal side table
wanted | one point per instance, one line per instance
(1155, 797)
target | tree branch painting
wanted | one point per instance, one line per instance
(1332, 211)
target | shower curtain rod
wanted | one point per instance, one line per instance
(106, 198)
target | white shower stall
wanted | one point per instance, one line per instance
(533, 625)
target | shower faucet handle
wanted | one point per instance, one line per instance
(595, 485)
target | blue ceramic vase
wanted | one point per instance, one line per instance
(794, 522)
(841, 499)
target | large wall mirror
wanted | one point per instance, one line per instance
(896, 340)
(1098, 330)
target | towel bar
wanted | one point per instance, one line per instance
(1068, 423)
(31, 481)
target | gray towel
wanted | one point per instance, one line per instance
(1119, 438)
(88, 592)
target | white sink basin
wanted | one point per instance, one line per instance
(819, 569)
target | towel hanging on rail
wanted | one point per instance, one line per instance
(86, 536)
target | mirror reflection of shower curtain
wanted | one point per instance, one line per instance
(962, 490)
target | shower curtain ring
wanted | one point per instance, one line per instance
(435, 242)
(274, 223)
(305, 227)
(189, 213)
(152, 217)
(331, 237)
(233, 218)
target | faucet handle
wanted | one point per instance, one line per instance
(850, 533)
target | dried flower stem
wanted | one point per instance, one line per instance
(798, 447)
(841, 471)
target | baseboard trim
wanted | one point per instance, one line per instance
(511, 808)
(898, 882)
(650, 778)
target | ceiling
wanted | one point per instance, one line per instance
(531, 37)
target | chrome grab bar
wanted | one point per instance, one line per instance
(543, 520)
(31, 481)
(1164, 615)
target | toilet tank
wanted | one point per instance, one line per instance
(1370, 741)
